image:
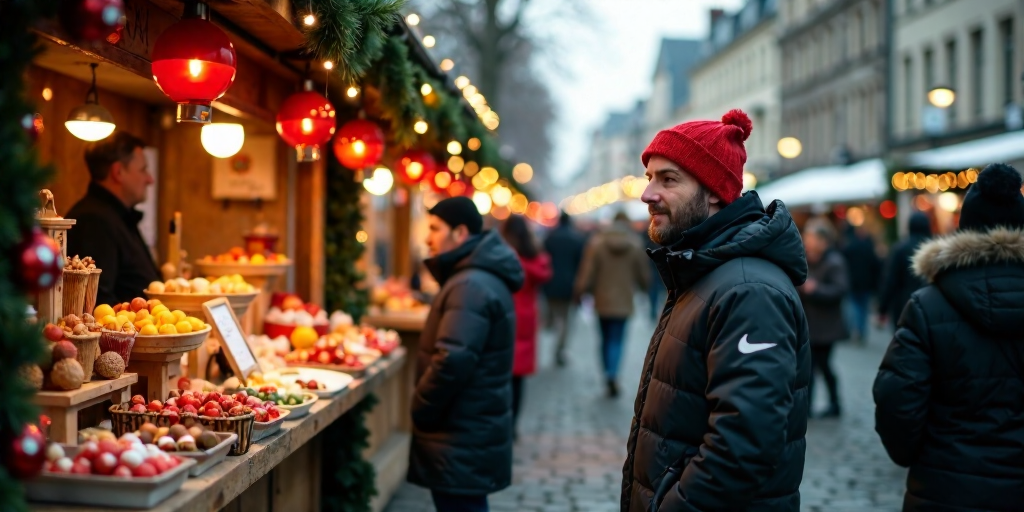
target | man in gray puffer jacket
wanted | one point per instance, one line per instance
(462, 406)
(720, 417)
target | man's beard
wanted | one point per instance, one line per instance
(685, 216)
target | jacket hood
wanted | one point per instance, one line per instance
(981, 274)
(487, 252)
(537, 268)
(742, 229)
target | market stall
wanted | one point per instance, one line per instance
(249, 359)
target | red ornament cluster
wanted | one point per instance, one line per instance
(414, 165)
(38, 261)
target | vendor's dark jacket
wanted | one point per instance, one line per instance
(108, 231)
(720, 417)
(462, 405)
(949, 394)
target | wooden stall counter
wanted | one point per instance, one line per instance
(220, 487)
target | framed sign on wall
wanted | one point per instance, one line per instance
(249, 174)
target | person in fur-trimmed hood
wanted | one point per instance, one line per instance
(950, 389)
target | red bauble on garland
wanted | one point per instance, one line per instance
(359, 144)
(91, 20)
(461, 187)
(33, 126)
(441, 180)
(37, 261)
(194, 63)
(414, 165)
(306, 121)
(25, 455)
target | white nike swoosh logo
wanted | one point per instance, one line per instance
(750, 348)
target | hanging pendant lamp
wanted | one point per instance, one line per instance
(90, 122)
(194, 63)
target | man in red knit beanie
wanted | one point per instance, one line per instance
(720, 417)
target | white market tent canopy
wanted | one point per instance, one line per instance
(1005, 147)
(863, 181)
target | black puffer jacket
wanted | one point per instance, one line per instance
(462, 405)
(898, 280)
(721, 413)
(950, 391)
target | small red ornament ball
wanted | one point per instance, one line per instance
(359, 144)
(33, 126)
(414, 165)
(25, 456)
(37, 261)
(91, 20)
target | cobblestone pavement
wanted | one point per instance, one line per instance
(572, 439)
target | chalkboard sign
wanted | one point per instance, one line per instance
(236, 348)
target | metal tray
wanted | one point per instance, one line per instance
(262, 430)
(210, 458)
(107, 491)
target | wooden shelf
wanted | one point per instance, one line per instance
(88, 391)
(399, 321)
(224, 482)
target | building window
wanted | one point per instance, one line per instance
(977, 73)
(951, 74)
(908, 93)
(1006, 37)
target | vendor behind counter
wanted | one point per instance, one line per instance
(107, 225)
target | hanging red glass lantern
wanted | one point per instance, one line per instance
(306, 121)
(359, 144)
(194, 63)
(414, 165)
(441, 180)
(460, 187)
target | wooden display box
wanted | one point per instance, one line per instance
(63, 406)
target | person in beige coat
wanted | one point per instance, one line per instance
(614, 268)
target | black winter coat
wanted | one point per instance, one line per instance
(862, 263)
(721, 413)
(108, 231)
(462, 404)
(565, 246)
(826, 323)
(950, 391)
(898, 280)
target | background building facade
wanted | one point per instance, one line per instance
(975, 48)
(740, 68)
(834, 62)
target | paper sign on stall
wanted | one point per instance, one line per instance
(236, 348)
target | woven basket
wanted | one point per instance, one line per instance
(124, 421)
(88, 350)
(118, 341)
(241, 425)
(75, 284)
(92, 290)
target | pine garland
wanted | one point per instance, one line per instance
(352, 484)
(351, 33)
(343, 281)
(21, 177)
(400, 101)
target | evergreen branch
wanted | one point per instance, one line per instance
(351, 33)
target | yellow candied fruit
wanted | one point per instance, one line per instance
(168, 329)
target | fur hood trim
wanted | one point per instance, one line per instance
(968, 249)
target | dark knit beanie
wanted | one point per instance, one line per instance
(994, 200)
(459, 211)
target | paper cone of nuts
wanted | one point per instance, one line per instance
(84, 333)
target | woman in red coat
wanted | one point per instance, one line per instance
(537, 267)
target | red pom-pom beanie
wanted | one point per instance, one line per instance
(710, 151)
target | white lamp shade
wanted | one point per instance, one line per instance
(223, 140)
(90, 122)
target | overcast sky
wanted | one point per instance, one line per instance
(607, 65)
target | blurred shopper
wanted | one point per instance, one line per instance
(537, 269)
(462, 405)
(950, 389)
(614, 269)
(720, 417)
(564, 245)
(898, 280)
(822, 296)
(863, 268)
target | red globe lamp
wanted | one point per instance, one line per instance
(306, 121)
(194, 63)
(359, 144)
(414, 165)
(460, 187)
(441, 180)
